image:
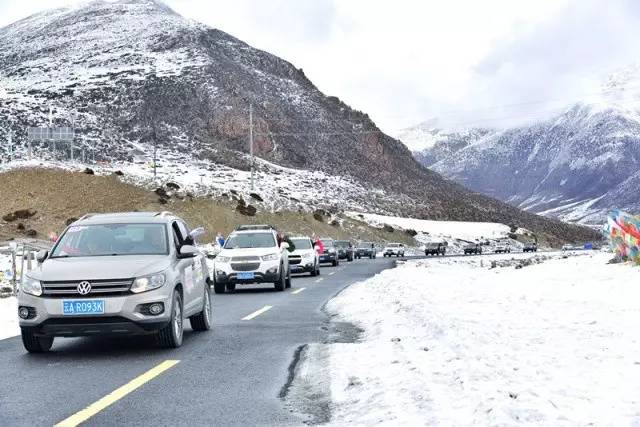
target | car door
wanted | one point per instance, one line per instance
(187, 271)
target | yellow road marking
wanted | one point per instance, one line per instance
(320, 280)
(297, 291)
(258, 313)
(114, 396)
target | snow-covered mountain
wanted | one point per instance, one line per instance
(130, 73)
(431, 143)
(575, 166)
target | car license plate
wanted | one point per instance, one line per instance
(246, 276)
(85, 306)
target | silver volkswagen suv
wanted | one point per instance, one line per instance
(114, 274)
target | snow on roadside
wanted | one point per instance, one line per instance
(8, 317)
(451, 342)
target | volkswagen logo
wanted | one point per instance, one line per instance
(84, 288)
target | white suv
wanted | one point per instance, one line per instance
(392, 249)
(252, 254)
(304, 258)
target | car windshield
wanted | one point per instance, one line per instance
(394, 245)
(342, 243)
(366, 244)
(327, 242)
(112, 240)
(302, 243)
(250, 240)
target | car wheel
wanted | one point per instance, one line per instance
(202, 320)
(280, 285)
(314, 272)
(287, 281)
(35, 344)
(218, 288)
(231, 287)
(171, 335)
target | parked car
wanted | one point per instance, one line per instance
(330, 254)
(502, 248)
(392, 249)
(568, 248)
(304, 258)
(530, 247)
(345, 249)
(366, 250)
(115, 274)
(473, 248)
(252, 254)
(435, 248)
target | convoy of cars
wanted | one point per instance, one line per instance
(143, 273)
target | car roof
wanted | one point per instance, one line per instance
(126, 217)
(255, 231)
(299, 237)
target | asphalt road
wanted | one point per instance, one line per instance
(231, 375)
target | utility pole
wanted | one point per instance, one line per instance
(10, 145)
(251, 140)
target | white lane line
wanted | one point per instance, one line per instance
(320, 280)
(332, 273)
(258, 312)
(297, 291)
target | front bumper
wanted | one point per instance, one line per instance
(303, 267)
(267, 272)
(122, 315)
(329, 257)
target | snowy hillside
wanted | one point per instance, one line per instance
(431, 143)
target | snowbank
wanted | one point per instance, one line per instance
(452, 342)
(8, 318)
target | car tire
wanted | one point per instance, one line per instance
(287, 281)
(171, 335)
(202, 321)
(35, 344)
(334, 263)
(218, 288)
(231, 287)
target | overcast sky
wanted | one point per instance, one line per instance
(464, 62)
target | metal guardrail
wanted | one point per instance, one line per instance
(23, 255)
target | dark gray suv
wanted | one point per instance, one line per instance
(113, 274)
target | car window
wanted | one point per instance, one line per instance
(327, 242)
(302, 243)
(112, 240)
(250, 240)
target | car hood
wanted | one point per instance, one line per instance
(303, 252)
(248, 252)
(99, 268)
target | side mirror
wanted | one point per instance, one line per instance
(187, 251)
(284, 245)
(197, 232)
(41, 256)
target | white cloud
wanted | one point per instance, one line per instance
(465, 61)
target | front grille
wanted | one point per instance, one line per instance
(245, 259)
(69, 288)
(295, 259)
(245, 266)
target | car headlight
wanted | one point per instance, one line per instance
(308, 256)
(221, 258)
(148, 283)
(270, 257)
(31, 286)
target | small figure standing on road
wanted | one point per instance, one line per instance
(317, 244)
(220, 239)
